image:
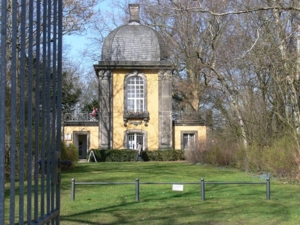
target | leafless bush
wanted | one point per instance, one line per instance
(195, 155)
(280, 159)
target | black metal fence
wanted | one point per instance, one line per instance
(30, 110)
(137, 184)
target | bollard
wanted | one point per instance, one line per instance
(73, 190)
(137, 189)
(268, 191)
(202, 189)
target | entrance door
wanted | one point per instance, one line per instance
(82, 146)
(30, 111)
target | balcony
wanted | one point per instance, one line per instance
(79, 119)
(136, 118)
(187, 118)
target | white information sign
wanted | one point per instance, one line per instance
(177, 187)
(68, 137)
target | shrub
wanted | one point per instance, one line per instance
(165, 155)
(281, 158)
(127, 155)
(69, 153)
(278, 158)
(196, 155)
(221, 153)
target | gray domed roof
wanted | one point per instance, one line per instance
(134, 42)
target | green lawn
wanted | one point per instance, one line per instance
(224, 204)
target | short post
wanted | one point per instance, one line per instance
(268, 191)
(202, 189)
(73, 190)
(137, 189)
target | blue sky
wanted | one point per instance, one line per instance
(77, 43)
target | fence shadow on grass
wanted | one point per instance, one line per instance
(174, 211)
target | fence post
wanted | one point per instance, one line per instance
(73, 190)
(202, 189)
(137, 189)
(268, 188)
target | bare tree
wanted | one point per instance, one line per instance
(229, 54)
(234, 57)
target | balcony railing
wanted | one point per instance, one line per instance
(79, 117)
(187, 117)
(135, 117)
(179, 115)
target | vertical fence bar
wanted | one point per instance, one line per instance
(137, 189)
(268, 191)
(49, 112)
(2, 108)
(44, 110)
(13, 106)
(30, 111)
(73, 190)
(54, 106)
(59, 4)
(202, 189)
(22, 113)
(37, 135)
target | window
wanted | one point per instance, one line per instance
(189, 140)
(135, 94)
(133, 139)
(135, 98)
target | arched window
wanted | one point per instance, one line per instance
(135, 97)
(135, 92)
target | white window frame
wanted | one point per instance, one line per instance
(191, 143)
(135, 88)
(131, 137)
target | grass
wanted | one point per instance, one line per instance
(225, 204)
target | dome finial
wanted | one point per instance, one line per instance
(134, 10)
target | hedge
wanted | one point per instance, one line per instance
(127, 155)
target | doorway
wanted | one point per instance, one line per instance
(82, 142)
(82, 146)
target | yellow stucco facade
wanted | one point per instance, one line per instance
(118, 110)
(151, 130)
(71, 131)
(120, 130)
(84, 137)
(199, 131)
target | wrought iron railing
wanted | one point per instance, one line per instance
(188, 116)
(143, 116)
(69, 117)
